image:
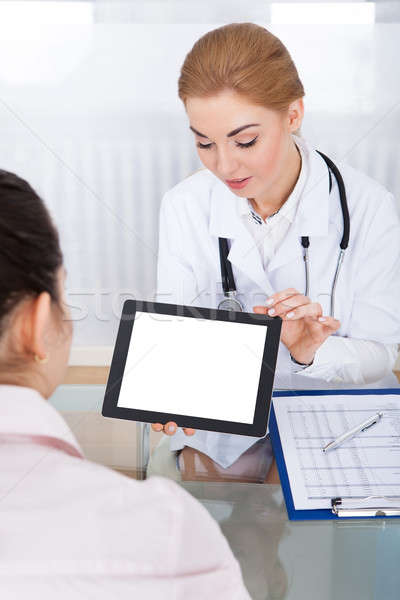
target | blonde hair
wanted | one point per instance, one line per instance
(245, 58)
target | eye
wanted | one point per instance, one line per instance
(204, 146)
(247, 144)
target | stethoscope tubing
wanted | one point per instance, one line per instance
(343, 200)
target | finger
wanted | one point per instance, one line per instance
(284, 306)
(189, 431)
(170, 428)
(156, 427)
(261, 310)
(264, 310)
(279, 296)
(313, 309)
(329, 323)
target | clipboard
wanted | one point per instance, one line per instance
(338, 510)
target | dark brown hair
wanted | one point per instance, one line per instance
(245, 58)
(30, 253)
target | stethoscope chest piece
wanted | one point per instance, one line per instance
(230, 303)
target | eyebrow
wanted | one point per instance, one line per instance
(230, 134)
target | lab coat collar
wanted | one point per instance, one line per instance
(224, 219)
(313, 212)
(24, 411)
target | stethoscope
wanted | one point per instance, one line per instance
(230, 301)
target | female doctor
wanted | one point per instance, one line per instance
(310, 241)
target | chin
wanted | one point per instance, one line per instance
(248, 192)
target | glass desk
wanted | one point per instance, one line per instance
(315, 560)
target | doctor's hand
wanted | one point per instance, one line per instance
(170, 428)
(304, 328)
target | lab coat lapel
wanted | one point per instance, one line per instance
(289, 250)
(245, 255)
(313, 211)
(226, 222)
(312, 218)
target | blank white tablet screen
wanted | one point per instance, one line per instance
(200, 367)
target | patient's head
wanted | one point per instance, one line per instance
(35, 333)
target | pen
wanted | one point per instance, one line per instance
(347, 435)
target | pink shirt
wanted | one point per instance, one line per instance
(70, 528)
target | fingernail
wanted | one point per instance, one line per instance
(171, 428)
(290, 315)
(322, 319)
(269, 301)
(271, 311)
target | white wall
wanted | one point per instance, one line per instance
(89, 114)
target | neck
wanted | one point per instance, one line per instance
(29, 380)
(281, 189)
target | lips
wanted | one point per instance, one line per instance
(237, 183)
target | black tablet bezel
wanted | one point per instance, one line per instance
(259, 426)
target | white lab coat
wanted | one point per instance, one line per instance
(201, 208)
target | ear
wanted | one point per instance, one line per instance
(36, 322)
(295, 114)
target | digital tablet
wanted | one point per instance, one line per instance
(201, 368)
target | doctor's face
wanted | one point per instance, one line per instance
(248, 147)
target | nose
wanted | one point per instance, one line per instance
(227, 165)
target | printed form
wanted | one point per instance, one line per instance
(367, 465)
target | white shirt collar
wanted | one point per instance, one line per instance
(24, 411)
